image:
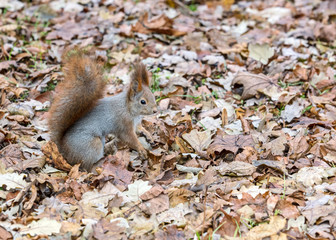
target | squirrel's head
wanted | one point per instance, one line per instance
(141, 99)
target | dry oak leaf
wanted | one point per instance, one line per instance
(105, 229)
(98, 199)
(309, 176)
(178, 196)
(11, 155)
(227, 4)
(230, 143)
(228, 226)
(159, 24)
(203, 221)
(276, 165)
(260, 52)
(5, 235)
(140, 225)
(13, 181)
(136, 189)
(170, 232)
(261, 231)
(175, 215)
(277, 146)
(52, 154)
(155, 205)
(206, 178)
(198, 140)
(297, 223)
(182, 168)
(116, 168)
(73, 228)
(313, 214)
(236, 168)
(292, 111)
(255, 84)
(45, 226)
(305, 122)
(152, 193)
(298, 146)
(7, 64)
(287, 209)
(246, 212)
(33, 196)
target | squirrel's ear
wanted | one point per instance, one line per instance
(139, 78)
(134, 88)
(140, 74)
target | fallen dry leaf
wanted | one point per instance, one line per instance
(260, 52)
(44, 226)
(53, 156)
(254, 84)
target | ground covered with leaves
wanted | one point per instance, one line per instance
(244, 144)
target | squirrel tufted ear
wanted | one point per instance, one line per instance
(139, 78)
(140, 74)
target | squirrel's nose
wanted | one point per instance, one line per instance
(155, 110)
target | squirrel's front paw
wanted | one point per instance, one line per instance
(110, 147)
(143, 153)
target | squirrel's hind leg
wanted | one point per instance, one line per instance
(94, 152)
(84, 149)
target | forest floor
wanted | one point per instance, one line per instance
(243, 146)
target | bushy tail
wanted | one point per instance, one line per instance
(82, 87)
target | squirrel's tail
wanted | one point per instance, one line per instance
(80, 91)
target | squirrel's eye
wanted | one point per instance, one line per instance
(143, 102)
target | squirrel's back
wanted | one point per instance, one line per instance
(81, 89)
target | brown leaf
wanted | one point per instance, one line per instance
(298, 146)
(314, 213)
(105, 229)
(155, 205)
(159, 24)
(224, 42)
(165, 177)
(153, 192)
(70, 29)
(253, 84)
(230, 143)
(287, 209)
(11, 155)
(76, 188)
(184, 148)
(206, 178)
(53, 156)
(227, 4)
(301, 72)
(29, 204)
(198, 140)
(5, 235)
(261, 231)
(203, 221)
(170, 232)
(228, 225)
(43, 72)
(178, 196)
(277, 146)
(305, 122)
(118, 170)
(236, 168)
(7, 64)
(247, 155)
(71, 227)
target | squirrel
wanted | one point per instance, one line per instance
(80, 118)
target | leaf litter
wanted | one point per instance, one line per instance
(243, 147)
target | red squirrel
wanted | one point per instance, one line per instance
(80, 118)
